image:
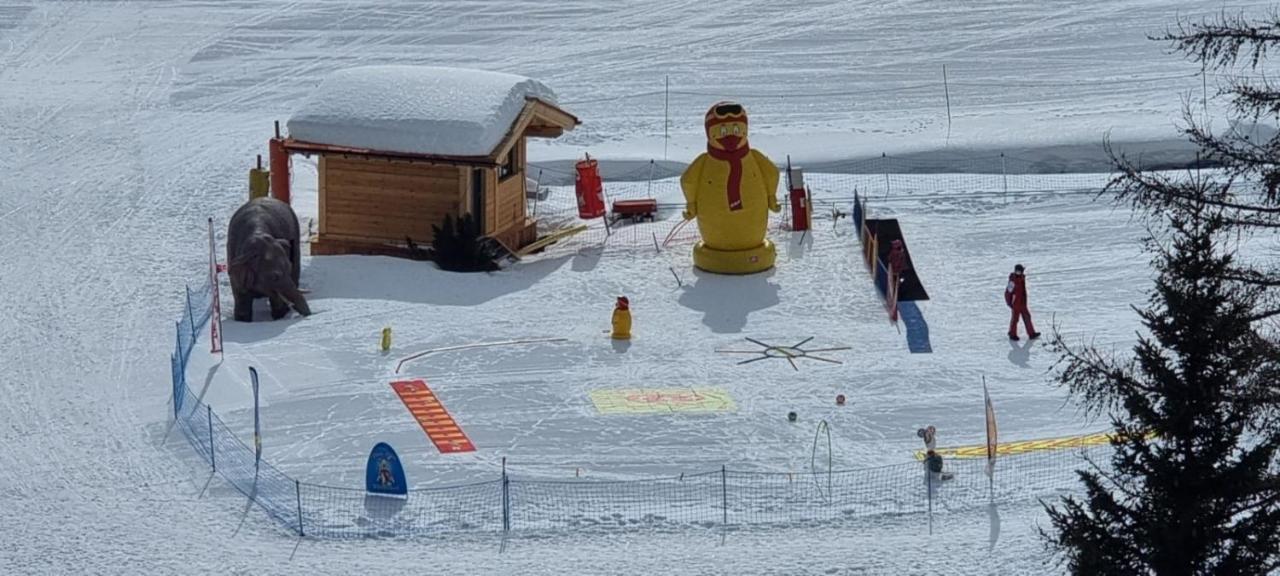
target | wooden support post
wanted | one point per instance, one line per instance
(279, 167)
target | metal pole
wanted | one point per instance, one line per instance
(506, 498)
(884, 162)
(649, 186)
(173, 360)
(191, 316)
(213, 457)
(1004, 175)
(666, 115)
(724, 493)
(297, 487)
(928, 476)
(947, 91)
(182, 361)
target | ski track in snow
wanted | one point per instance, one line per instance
(123, 125)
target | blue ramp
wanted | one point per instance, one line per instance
(917, 328)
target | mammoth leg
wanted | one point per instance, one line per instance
(244, 306)
(295, 260)
(294, 296)
(279, 307)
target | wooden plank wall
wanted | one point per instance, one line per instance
(374, 199)
(507, 207)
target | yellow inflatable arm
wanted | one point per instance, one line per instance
(769, 173)
(689, 184)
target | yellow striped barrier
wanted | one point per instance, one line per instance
(1025, 446)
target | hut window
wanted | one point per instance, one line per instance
(511, 166)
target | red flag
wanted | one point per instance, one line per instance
(215, 316)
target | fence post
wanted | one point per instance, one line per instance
(506, 498)
(297, 487)
(928, 480)
(213, 458)
(191, 315)
(1004, 176)
(537, 188)
(173, 361)
(884, 163)
(724, 493)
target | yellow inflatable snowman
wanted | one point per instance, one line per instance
(730, 189)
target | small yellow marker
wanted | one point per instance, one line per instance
(259, 181)
(386, 339)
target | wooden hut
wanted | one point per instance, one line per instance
(401, 147)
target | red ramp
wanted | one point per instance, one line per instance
(432, 416)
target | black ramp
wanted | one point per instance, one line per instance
(887, 230)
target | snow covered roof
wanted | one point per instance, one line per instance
(425, 110)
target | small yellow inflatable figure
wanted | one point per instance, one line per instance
(622, 319)
(730, 188)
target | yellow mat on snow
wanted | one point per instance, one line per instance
(661, 400)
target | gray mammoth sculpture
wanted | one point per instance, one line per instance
(264, 254)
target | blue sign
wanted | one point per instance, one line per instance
(384, 474)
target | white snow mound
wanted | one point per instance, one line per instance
(415, 109)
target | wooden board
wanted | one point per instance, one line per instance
(432, 416)
(551, 239)
(385, 200)
(385, 166)
(389, 228)
(397, 207)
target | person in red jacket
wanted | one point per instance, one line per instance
(897, 258)
(1015, 295)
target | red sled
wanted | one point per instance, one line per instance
(636, 210)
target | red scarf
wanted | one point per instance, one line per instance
(734, 158)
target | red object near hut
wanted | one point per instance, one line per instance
(636, 210)
(590, 189)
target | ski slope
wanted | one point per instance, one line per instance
(124, 125)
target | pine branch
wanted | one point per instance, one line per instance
(1115, 483)
(1267, 313)
(1255, 101)
(1239, 156)
(1223, 42)
(1102, 384)
(1156, 193)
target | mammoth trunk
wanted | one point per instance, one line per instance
(295, 298)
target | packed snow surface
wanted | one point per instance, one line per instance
(415, 109)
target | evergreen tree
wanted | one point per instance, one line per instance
(458, 246)
(1193, 482)
(1192, 486)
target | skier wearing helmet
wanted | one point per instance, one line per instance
(1015, 296)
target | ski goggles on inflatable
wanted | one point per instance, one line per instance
(726, 112)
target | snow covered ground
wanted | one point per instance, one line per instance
(124, 125)
(327, 398)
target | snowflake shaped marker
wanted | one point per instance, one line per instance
(788, 353)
